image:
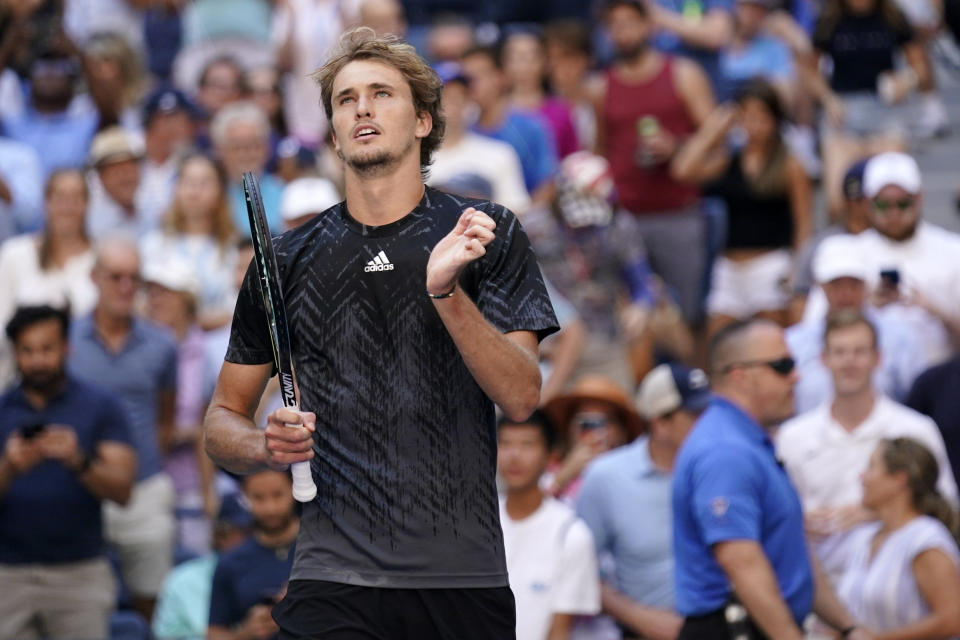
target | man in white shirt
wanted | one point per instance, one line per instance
(465, 152)
(842, 275)
(826, 449)
(550, 553)
(922, 261)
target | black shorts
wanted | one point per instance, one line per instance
(334, 611)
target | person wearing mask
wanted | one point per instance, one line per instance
(198, 230)
(51, 266)
(550, 555)
(741, 552)
(903, 580)
(648, 104)
(252, 577)
(826, 448)
(768, 202)
(625, 500)
(137, 362)
(64, 450)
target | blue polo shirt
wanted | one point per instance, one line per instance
(46, 515)
(246, 576)
(144, 366)
(625, 500)
(729, 486)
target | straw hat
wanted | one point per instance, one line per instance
(595, 388)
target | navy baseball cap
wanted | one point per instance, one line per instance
(670, 387)
(166, 100)
(853, 180)
(234, 512)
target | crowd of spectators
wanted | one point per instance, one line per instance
(669, 160)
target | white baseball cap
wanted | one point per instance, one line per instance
(307, 195)
(891, 168)
(839, 257)
(172, 274)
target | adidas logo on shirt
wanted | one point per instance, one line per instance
(380, 262)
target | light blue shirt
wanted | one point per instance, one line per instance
(62, 140)
(902, 359)
(763, 56)
(625, 500)
(22, 172)
(271, 190)
(183, 607)
(144, 367)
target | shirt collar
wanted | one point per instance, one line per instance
(743, 423)
(87, 327)
(640, 458)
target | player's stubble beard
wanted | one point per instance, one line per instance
(375, 163)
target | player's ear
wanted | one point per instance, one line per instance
(424, 124)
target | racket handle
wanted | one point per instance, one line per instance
(304, 490)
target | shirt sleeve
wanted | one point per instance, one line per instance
(510, 292)
(249, 336)
(726, 495)
(578, 585)
(223, 608)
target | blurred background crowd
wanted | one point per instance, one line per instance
(679, 165)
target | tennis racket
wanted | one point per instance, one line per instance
(304, 490)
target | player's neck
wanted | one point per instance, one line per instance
(382, 199)
(523, 503)
(850, 410)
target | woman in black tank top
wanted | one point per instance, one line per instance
(768, 202)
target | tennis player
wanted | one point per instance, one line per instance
(411, 312)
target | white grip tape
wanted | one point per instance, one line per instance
(303, 488)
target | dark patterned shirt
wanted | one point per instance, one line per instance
(405, 443)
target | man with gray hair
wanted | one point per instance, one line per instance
(240, 133)
(135, 362)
